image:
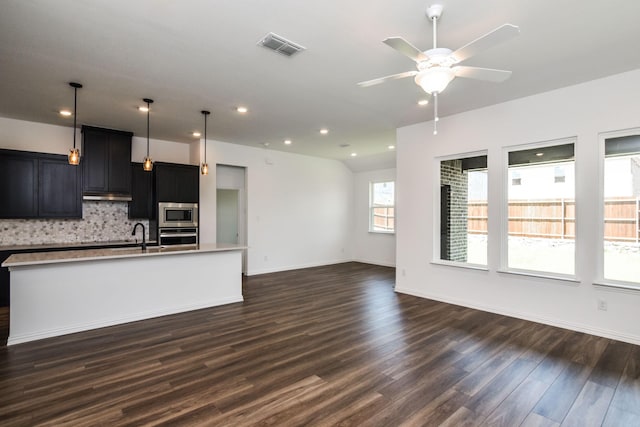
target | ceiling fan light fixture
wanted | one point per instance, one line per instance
(435, 79)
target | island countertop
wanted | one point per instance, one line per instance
(39, 258)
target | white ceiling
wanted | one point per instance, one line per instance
(202, 54)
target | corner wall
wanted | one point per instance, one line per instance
(371, 248)
(583, 111)
(299, 207)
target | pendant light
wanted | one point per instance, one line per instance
(74, 153)
(148, 163)
(205, 167)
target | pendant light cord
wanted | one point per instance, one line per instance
(75, 108)
(205, 113)
(148, 110)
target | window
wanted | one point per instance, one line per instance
(516, 179)
(559, 176)
(622, 209)
(463, 209)
(382, 207)
(540, 230)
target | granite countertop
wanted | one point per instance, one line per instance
(72, 245)
(39, 258)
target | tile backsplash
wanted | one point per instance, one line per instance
(101, 222)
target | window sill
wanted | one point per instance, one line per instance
(541, 275)
(382, 232)
(468, 266)
(615, 286)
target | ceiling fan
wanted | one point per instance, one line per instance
(437, 67)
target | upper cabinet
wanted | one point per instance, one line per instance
(141, 204)
(38, 185)
(106, 162)
(177, 183)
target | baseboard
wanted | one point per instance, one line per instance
(18, 339)
(374, 262)
(605, 333)
(255, 272)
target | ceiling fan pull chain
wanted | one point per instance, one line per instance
(435, 113)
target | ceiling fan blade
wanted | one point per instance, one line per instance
(405, 48)
(487, 74)
(386, 78)
(497, 36)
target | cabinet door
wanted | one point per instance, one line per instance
(187, 184)
(141, 204)
(119, 163)
(60, 188)
(18, 185)
(166, 190)
(95, 161)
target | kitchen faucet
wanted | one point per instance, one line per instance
(144, 239)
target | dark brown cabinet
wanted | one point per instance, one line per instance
(141, 204)
(106, 162)
(39, 185)
(177, 183)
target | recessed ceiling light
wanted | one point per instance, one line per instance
(65, 113)
(196, 134)
(391, 147)
(324, 131)
(539, 154)
(242, 110)
(144, 109)
(354, 154)
(423, 102)
(287, 142)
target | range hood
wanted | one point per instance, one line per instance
(106, 164)
(111, 197)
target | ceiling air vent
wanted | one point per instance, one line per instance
(280, 44)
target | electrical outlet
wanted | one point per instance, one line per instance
(404, 272)
(602, 305)
(266, 258)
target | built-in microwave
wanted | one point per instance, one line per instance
(177, 215)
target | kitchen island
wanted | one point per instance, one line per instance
(57, 293)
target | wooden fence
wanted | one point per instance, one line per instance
(556, 218)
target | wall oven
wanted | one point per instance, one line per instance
(178, 236)
(177, 215)
(177, 223)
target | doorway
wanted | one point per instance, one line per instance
(227, 216)
(231, 207)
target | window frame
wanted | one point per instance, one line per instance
(504, 211)
(600, 279)
(436, 257)
(372, 207)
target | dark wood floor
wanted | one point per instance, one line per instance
(323, 346)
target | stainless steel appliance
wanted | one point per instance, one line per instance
(178, 236)
(177, 215)
(177, 223)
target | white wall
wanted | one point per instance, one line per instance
(582, 111)
(372, 248)
(299, 207)
(45, 138)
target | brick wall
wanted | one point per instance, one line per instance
(451, 174)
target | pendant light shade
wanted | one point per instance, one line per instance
(74, 153)
(205, 167)
(147, 165)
